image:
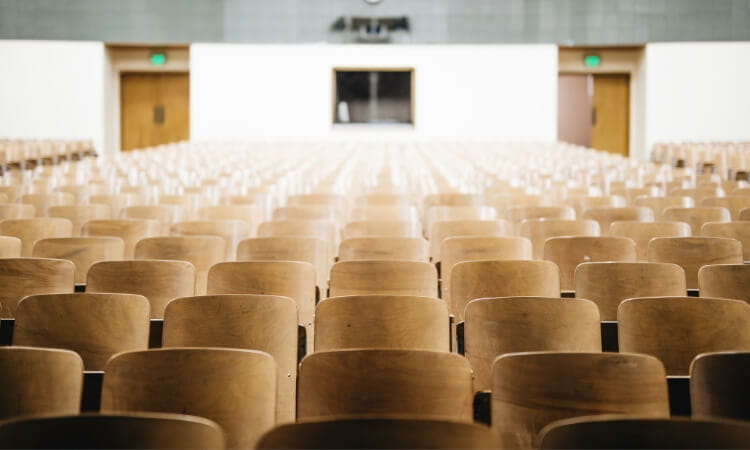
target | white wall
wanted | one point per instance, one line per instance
(504, 92)
(51, 89)
(697, 91)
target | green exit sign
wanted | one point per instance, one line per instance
(592, 60)
(157, 59)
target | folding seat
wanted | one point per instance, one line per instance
(452, 199)
(496, 326)
(20, 277)
(385, 383)
(606, 216)
(517, 214)
(502, 202)
(42, 202)
(531, 390)
(80, 214)
(736, 230)
(79, 192)
(17, 211)
(691, 253)
(441, 213)
(158, 280)
(12, 193)
(187, 204)
(289, 248)
(10, 247)
(585, 202)
(166, 215)
(382, 277)
(569, 252)
(445, 229)
(39, 381)
(718, 385)
(384, 212)
(698, 194)
(384, 247)
(254, 322)
(489, 278)
(336, 201)
(127, 430)
(292, 279)
(321, 229)
(725, 281)
(96, 326)
(251, 215)
(230, 231)
(659, 204)
(129, 230)
(697, 216)
(365, 433)
(383, 199)
(117, 202)
(201, 251)
(609, 283)
(307, 212)
(676, 329)
(470, 248)
(642, 232)
(31, 230)
(83, 252)
(539, 230)
(368, 228)
(610, 432)
(382, 321)
(733, 203)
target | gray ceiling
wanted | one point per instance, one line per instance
(579, 22)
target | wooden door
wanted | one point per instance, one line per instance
(611, 113)
(154, 109)
(574, 108)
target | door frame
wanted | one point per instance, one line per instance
(628, 60)
(121, 59)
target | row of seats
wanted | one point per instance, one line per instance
(29, 153)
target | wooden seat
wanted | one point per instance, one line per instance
(517, 214)
(382, 321)
(385, 433)
(381, 277)
(442, 213)
(569, 252)
(609, 283)
(733, 203)
(289, 248)
(129, 230)
(606, 216)
(307, 212)
(718, 385)
(255, 322)
(117, 202)
(676, 329)
(42, 202)
(642, 232)
(20, 277)
(367, 228)
(386, 382)
(83, 252)
(531, 390)
(539, 230)
(445, 229)
(80, 214)
(10, 247)
(235, 388)
(452, 199)
(697, 216)
(31, 230)
(469, 248)
(480, 279)
(384, 247)
(17, 211)
(127, 430)
(698, 194)
(383, 199)
(384, 213)
(292, 279)
(186, 204)
(230, 231)
(158, 280)
(496, 326)
(736, 230)
(201, 251)
(251, 215)
(96, 326)
(725, 281)
(659, 204)
(691, 253)
(39, 381)
(321, 229)
(584, 203)
(166, 215)
(611, 432)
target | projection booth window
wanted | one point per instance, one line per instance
(373, 96)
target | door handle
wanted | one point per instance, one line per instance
(593, 116)
(158, 115)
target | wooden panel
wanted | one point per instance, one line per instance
(140, 95)
(574, 109)
(611, 113)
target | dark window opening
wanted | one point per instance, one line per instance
(373, 96)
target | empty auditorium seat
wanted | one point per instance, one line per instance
(696, 216)
(80, 214)
(83, 252)
(539, 230)
(569, 252)
(718, 385)
(642, 232)
(230, 231)
(691, 253)
(383, 277)
(31, 230)
(736, 230)
(129, 230)
(29, 276)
